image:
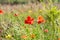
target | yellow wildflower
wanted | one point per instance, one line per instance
(8, 36)
(30, 11)
(40, 11)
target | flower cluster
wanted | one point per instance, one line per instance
(30, 20)
(25, 36)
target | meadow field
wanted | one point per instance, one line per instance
(31, 21)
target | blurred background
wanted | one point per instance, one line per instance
(24, 1)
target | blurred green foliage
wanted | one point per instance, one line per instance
(26, 1)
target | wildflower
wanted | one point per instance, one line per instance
(8, 36)
(40, 20)
(32, 35)
(29, 20)
(40, 11)
(58, 38)
(23, 36)
(30, 11)
(16, 14)
(1, 11)
(46, 30)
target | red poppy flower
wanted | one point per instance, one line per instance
(40, 20)
(29, 20)
(16, 14)
(46, 30)
(1, 11)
